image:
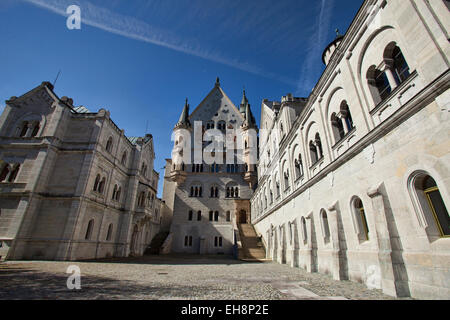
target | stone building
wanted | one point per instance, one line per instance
(354, 181)
(207, 192)
(72, 185)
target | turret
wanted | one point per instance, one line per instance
(178, 170)
(329, 50)
(250, 141)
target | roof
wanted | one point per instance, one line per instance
(81, 109)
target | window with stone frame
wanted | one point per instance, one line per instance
(428, 197)
(89, 230)
(109, 144)
(362, 227)
(188, 241)
(109, 233)
(218, 242)
(325, 226)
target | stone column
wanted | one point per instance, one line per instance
(388, 281)
(334, 234)
(309, 246)
(389, 73)
(294, 244)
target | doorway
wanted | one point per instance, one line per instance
(242, 217)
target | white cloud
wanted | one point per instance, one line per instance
(133, 28)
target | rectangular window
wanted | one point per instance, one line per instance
(218, 242)
(199, 216)
(188, 241)
(211, 216)
(216, 216)
(228, 216)
(190, 215)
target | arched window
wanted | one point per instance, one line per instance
(228, 216)
(218, 242)
(190, 215)
(96, 183)
(109, 234)
(14, 173)
(119, 190)
(346, 115)
(298, 166)
(24, 130)
(286, 180)
(211, 215)
(362, 227)
(337, 127)
(221, 125)
(216, 216)
(232, 190)
(36, 128)
(378, 84)
(5, 172)
(313, 152)
(188, 241)
(199, 216)
(304, 230)
(432, 205)
(124, 158)
(319, 146)
(144, 169)
(396, 62)
(109, 145)
(89, 229)
(210, 125)
(277, 186)
(325, 226)
(114, 194)
(196, 191)
(101, 185)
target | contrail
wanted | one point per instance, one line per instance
(132, 28)
(316, 44)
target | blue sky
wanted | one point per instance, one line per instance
(140, 59)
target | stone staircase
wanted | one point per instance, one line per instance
(156, 243)
(252, 247)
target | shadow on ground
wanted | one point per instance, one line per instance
(19, 282)
(175, 259)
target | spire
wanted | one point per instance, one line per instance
(217, 82)
(244, 102)
(249, 116)
(184, 118)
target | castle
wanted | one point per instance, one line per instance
(353, 180)
(72, 185)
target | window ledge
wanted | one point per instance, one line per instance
(317, 163)
(394, 92)
(341, 141)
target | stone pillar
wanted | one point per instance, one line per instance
(388, 281)
(389, 73)
(334, 234)
(294, 244)
(309, 245)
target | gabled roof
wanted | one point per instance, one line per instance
(213, 90)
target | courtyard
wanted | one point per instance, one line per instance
(175, 277)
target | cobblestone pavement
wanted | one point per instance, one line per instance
(174, 277)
